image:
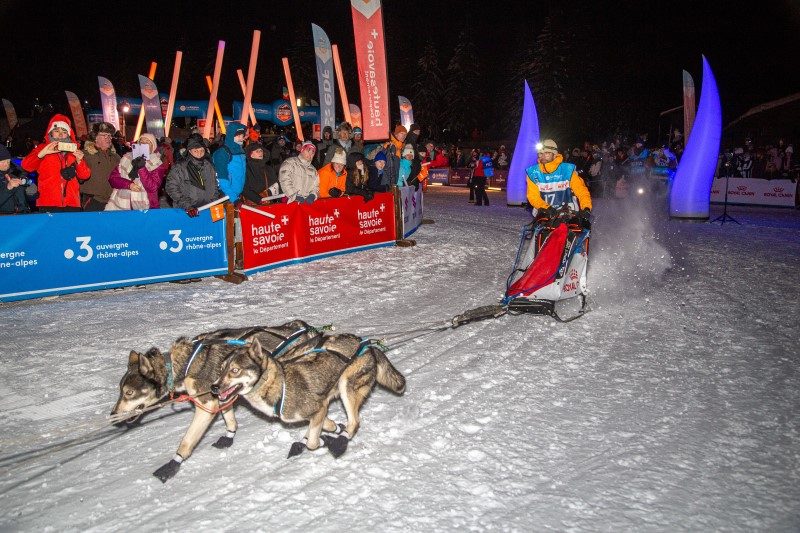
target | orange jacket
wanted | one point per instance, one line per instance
(575, 183)
(328, 180)
(55, 191)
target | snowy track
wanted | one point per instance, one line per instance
(672, 406)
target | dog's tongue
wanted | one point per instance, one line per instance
(226, 393)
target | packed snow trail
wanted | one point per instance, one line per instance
(671, 406)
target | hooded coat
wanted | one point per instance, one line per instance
(101, 163)
(151, 176)
(298, 177)
(329, 179)
(230, 162)
(54, 190)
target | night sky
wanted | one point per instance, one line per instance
(752, 46)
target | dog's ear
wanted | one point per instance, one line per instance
(146, 367)
(133, 359)
(254, 351)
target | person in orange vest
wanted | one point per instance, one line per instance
(333, 176)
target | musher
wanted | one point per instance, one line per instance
(552, 183)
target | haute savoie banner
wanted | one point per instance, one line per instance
(279, 234)
(372, 76)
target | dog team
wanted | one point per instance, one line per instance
(291, 372)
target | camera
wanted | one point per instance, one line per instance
(18, 174)
(67, 147)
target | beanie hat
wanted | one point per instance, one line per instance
(357, 131)
(150, 138)
(195, 142)
(252, 147)
(380, 156)
(414, 127)
(4, 153)
(237, 129)
(399, 129)
(408, 149)
(308, 144)
(339, 157)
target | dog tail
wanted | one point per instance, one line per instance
(388, 375)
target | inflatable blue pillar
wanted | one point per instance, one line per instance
(524, 152)
(691, 189)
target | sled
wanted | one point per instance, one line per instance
(550, 267)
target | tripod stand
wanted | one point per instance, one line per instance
(725, 216)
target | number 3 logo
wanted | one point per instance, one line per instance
(86, 248)
(176, 238)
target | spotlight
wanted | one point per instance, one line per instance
(539, 147)
(640, 190)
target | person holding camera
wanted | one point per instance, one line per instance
(60, 166)
(15, 186)
(102, 160)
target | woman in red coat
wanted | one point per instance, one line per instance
(60, 171)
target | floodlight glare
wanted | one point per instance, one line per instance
(539, 147)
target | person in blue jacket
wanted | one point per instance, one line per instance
(231, 162)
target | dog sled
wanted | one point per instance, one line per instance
(550, 267)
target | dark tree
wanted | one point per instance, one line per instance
(428, 90)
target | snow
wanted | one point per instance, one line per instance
(673, 405)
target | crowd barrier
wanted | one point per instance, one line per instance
(459, 177)
(755, 191)
(61, 253)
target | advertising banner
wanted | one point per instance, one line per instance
(411, 201)
(302, 232)
(499, 179)
(460, 176)
(11, 113)
(108, 102)
(372, 76)
(355, 116)
(689, 104)
(152, 107)
(77, 114)
(406, 112)
(755, 191)
(439, 175)
(62, 253)
(327, 95)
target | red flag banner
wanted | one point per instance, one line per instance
(689, 105)
(371, 58)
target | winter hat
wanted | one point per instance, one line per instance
(399, 129)
(344, 126)
(4, 153)
(105, 127)
(380, 156)
(414, 127)
(408, 150)
(308, 144)
(195, 142)
(60, 124)
(339, 157)
(237, 129)
(252, 147)
(357, 131)
(150, 138)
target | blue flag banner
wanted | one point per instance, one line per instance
(327, 96)
(61, 253)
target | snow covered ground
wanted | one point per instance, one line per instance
(673, 405)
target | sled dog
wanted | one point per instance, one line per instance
(300, 386)
(191, 367)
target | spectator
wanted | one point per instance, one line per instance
(379, 179)
(502, 161)
(438, 158)
(344, 134)
(60, 167)
(298, 177)
(260, 180)
(149, 170)
(409, 168)
(358, 140)
(323, 146)
(102, 159)
(474, 162)
(230, 162)
(192, 183)
(279, 152)
(14, 186)
(413, 136)
(358, 181)
(333, 176)
(396, 139)
(480, 177)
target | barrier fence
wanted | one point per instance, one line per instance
(755, 191)
(459, 177)
(60, 253)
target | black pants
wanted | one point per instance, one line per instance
(90, 204)
(481, 197)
